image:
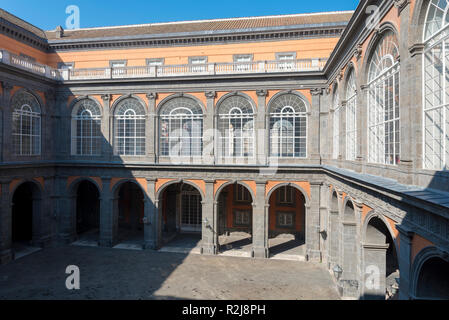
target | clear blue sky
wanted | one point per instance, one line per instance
(47, 14)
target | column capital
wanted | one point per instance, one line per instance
(210, 94)
(6, 85)
(262, 92)
(316, 91)
(416, 49)
(401, 4)
(106, 97)
(151, 95)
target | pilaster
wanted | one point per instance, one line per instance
(209, 243)
(260, 223)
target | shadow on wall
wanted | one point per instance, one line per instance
(95, 198)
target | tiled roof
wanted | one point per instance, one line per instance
(316, 19)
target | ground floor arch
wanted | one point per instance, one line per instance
(180, 215)
(380, 261)
(25, 217)
(286, 221)
(87, 211)
(432, 279)
(235, 219)
(129, 205)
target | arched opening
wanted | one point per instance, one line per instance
(181, 217)
(433, 280)
(380, 262)
(130, 202)
(25, 216)
(349, 262)
(87, 205)
(235, 220)
(286, 222)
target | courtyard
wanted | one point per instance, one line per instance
(133, 275)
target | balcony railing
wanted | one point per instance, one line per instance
(256, 67)
(24, 63)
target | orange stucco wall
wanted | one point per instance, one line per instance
(305, 48)
(17, 48)
(298, 209)
(418, 243)
(231, 205)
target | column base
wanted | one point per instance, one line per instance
(6, 256)
(260, 252)
(209, 249)
(150, 245)
(313, 255)
(106, 243)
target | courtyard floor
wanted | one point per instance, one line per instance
(130, 274)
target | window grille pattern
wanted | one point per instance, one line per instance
(288, 127)
(383, 102)
(181, 128)
(351, 117)
(86, 128)
(236, 128)
(130, 128)
(336, 125)
(436, 86)
(242, 194)
(286, 195)
(191, 209)
(285, 219)
(26, 124)
(242, 218)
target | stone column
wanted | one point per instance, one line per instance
(6, 254)
(334, 233)
(209, 143)
(313, 135)
(362, 125)
(108, 215)
(343, 131)
(150, 230)
(64, 127)
(48, 142)
(325, 127)
(260, 223)
(405, 261)
(65, 211)
(209, 243)
(261, 144)
(323, 223)
(8, 147)
(313, 252)
(150, 133)
(410, 97)
(107, 148)
(44, 216)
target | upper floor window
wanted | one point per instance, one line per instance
(198, 64)
(288, 127)
(129, 119)
(86, 128)
(286, 60)
(181, 128)
(436, 86)
(336, 124)
(383, 102)
(26, 124)
(155, 62)
(351, 116)
(242, 62)
(236, 128)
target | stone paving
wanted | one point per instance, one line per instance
(129, 274)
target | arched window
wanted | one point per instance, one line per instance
(288, 127)
(130, 128)
(383, 102)
(26, 124)
(351, 117)
(86, 128)
(436, 86)
(336, 124)
(181, 128)
(236, 127)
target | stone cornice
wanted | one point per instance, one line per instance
(176, 40)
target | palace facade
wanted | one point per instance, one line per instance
(320, 137)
